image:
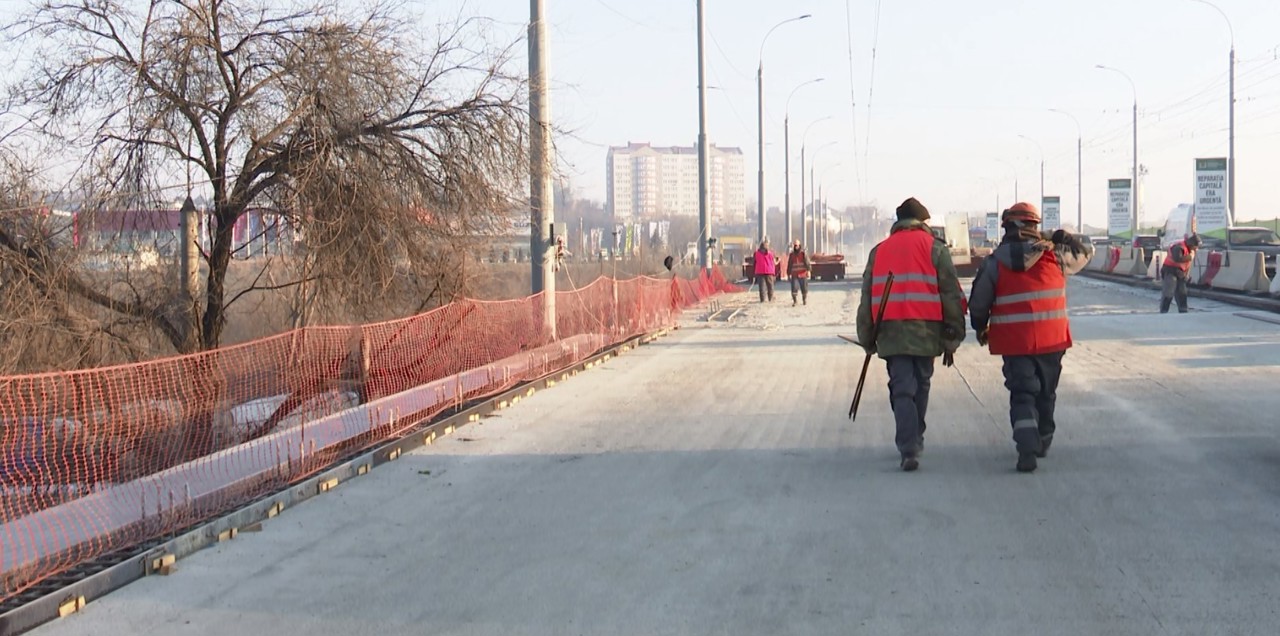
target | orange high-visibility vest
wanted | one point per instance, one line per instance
(909, 255)
(1172, 264)
(1029, 315)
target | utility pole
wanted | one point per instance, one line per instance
(542, 213)
(190, 271)
(704, 195)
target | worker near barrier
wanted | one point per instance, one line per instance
(798, 266)
(1176, 271)
(923, 319)
(766, 267)
(1018, 308)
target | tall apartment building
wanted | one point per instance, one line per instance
(648, 181)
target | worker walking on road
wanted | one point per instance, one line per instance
(798, 266)
(923, 319)
(766, 267)
(1019, 311)
(1176, 271)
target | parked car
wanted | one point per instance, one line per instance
(1249, 239)
(1149, 244)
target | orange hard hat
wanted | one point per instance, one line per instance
(1021, 211)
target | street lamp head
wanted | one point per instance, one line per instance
(807, 15)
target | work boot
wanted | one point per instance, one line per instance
(1026, 462)
(910, 463)
(793, 301)
(1044, 446)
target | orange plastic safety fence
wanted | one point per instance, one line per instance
(98, 460)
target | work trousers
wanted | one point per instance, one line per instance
(1174, 288)
(1033, 392)
(800, 285)
(909, 381)
(765, 281)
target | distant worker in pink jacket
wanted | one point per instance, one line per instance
(765, 269)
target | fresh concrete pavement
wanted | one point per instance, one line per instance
(710, 483)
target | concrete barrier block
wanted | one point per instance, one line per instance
(1153, 268)
(1239, 271)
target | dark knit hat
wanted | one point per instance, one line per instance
(912, 209)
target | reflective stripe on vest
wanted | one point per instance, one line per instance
(909, 255)
(1029, 314)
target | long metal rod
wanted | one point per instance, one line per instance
(875, 333)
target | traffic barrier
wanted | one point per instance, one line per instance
(1131, 263)
(1112, 260)
(1206, 266)
(97, 460)
(1238, 271)
(1274, 287)
(1154, 267)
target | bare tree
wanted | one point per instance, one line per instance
(382, 145)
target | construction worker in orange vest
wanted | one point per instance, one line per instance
(1175, 272)
(923, 319)
(1018, 308)
(798, 266)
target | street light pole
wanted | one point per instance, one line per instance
(1041, 149)
(1079, 169)
(1231, 114)
(1133, 192)
(813, 191)
(804, 139)
(704, 198)
(1015, 179)
(786, 151)
(760, 128)
(541, 196)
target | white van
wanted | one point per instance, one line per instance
(1180, 224)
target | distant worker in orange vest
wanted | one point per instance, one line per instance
(798, 266)
(1175, 272)
(923, 319)
(766, 268)
(1019, 310)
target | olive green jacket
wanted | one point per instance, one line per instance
(916, 337)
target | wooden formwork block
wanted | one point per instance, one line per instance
(275, 510)
(228, 534)
(551, 383)
(70, 606)
(363, 469)
(529, 393)
(393, 455)
(474, 417)
(327, 485)
(448, 430)
(163, 561)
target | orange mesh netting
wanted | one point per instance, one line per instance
(99, 460)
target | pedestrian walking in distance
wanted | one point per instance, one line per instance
(798, 266)
(923, 319)
(1019, 310)
(1175, 272)
(765, 264)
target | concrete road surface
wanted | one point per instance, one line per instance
(710, 483)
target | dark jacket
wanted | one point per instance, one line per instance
(916, 337)
(1016, 253)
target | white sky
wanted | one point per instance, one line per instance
(955, 85)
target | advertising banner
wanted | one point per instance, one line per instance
(1051, 213)
(1212, 215)
(993, 227)
(1119, 208)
